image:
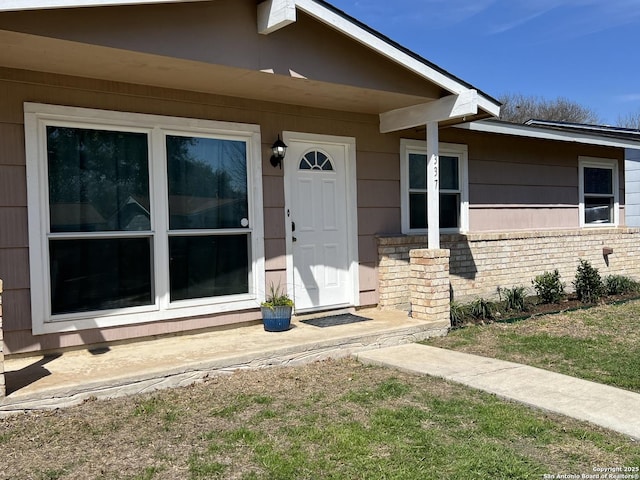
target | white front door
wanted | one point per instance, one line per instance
(319, 212)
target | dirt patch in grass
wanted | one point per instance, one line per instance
(333, 419)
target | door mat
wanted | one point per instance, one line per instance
(334, 320)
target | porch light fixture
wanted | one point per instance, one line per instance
(279, 149)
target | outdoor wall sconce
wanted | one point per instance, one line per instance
(279, 149)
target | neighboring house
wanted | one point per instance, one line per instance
(152, 121)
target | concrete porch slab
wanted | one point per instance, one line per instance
(71, 377)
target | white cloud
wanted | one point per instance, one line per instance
(628, 98)
(566, 18)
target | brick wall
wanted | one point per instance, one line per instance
(3, 389)
(480, 263)
(429, 284)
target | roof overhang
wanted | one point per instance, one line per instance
(14, 5)
(527, 131)
(276, 14)
(459, 101)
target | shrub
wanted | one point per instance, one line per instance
(620, 285)
(514, 298)
(482, 309)
(457, 314)
(548, 287)
(588, 284)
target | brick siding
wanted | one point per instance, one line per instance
(429, 284)
(480, 263)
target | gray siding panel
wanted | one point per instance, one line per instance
(632, 187)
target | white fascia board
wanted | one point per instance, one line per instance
(544, 134)
(275, 14)
(8, 5)
(446, 108)
(394, 54)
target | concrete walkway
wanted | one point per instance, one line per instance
(609, 407)
(66, 379)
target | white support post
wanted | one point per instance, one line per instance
(433, 187)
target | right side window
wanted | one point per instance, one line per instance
(598, 191)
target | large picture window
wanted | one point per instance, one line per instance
(452, 176)
(139, 217)
(598, 191)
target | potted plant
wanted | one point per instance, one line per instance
(276, 310)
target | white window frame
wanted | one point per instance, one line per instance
(38, 117)
(603, 163)
(461, 151)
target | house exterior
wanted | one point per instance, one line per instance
(631, 162)
(137, 196)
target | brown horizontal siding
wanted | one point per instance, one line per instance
(17, 307)
(367, 249)
(19, 86)
(12, 145)
(378, 193)
(368, 278)
(495, 173)
(493, 147)
(373, 221)
(13, 186)
(504, 195)
(274, 253)
(14, 269)
(522, 217)
(13, 227)
(378, 166)
(273, 191)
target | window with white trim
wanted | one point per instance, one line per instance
(453, 183)
(598, 187)
(138, 218)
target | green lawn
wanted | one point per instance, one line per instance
(329, 420)
(601, 344)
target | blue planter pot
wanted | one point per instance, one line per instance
(276, 319)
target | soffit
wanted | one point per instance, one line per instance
(188, 46)
(29, 52)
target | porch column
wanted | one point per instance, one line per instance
(433, 187)
(454, 106)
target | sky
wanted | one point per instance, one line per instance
(587, 51)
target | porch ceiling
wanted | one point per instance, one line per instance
(37, 53)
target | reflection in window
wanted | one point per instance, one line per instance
(316, 161)
(208, 266)
(450, 193)
(98, 180)
(207, 183)
(139, 211)
(99, 274)
(207, 180)
(599, 198)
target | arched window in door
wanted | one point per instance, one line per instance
(316, 160)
